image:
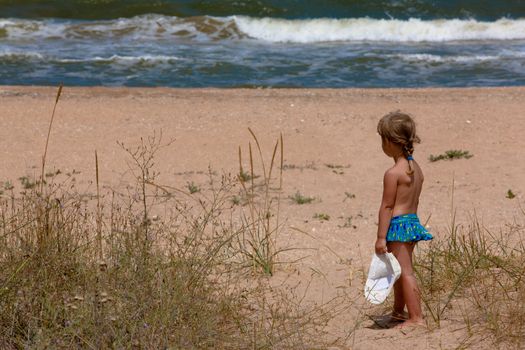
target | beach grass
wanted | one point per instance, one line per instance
(321, 216)
(149, 267)
(299, 198)
(450, 155)
(474, 276)
(105, 271)
(192, 187)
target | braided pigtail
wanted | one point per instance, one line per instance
(408, 149)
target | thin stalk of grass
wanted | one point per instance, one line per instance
(280, 189)
(270, 173)
(240, 165)
(5, 287)
(250, 201)
(251, 167)
(267, 204)
(59, 92)
(242, 180)
(260, 153)
(458, 283)
(99, 213)
(252, 178)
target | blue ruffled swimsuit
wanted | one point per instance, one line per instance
(407, 228)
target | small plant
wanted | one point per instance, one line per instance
(72, 173)
(322, 216)
(245, 176)
(348, 195)
(348, 222)
(8, 186)
(450, 155)
(236, 200)
(337, 169)
(310, 165)
(298, 198)
(27, 182)
(53, 173)
(510, 194)
(193, 188)
(334, 166)
(260, 226)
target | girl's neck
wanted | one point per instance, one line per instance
(398, 156)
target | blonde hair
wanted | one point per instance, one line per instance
(400, 128)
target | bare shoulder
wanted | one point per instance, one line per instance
(392, 173)
(398, 169)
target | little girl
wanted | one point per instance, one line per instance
(399, 228)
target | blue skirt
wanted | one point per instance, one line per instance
(407, 228)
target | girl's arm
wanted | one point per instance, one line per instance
(385, 210)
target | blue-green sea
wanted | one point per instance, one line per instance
(262, 43)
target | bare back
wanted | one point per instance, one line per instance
(408, 188)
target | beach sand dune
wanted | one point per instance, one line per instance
(332, 152)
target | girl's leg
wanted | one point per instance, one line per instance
(410, 291)
(399, 300)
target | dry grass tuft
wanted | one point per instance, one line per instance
(106, 272)
(477, 277)
(151, 267)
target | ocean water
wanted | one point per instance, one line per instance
(262, 43)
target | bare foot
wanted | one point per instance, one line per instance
(409, 324)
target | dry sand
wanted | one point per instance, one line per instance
(331, 148)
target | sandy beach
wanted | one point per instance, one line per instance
(331, 152)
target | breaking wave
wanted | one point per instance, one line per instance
(207, 28)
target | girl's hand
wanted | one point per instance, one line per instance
(381, 246)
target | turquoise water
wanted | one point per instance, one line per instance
(330, 43)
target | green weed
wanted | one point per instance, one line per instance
(348, 222)
(192, 187)
(298, 198)
(450, 155)
(27, 182)
(322, 216)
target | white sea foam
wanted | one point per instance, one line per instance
(23, 29)
(147, 27)
(367, 29)
(114, 59)
(437, 58)
(8, 54)
(123, 59)
(420, 57)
